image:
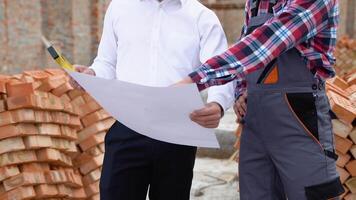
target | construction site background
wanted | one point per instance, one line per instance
(75, 27)
(42, 101)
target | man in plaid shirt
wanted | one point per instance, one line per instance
(282, 60)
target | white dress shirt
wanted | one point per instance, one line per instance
(157, 44)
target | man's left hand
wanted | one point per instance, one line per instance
(209, 116)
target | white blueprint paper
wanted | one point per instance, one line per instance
(161, 113)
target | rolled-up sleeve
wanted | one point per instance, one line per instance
(299, 21)
(213, 42)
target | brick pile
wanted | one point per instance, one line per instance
(96, 122)
(51, 138)
(342, 93)
(346, 55)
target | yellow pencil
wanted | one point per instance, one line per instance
(60, 59)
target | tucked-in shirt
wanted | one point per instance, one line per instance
(308, 25)
(157, 44)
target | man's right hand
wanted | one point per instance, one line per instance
(240, 107)
(81, 69)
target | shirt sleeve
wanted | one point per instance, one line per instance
(241, 85)
(213, 42)
(105, 63)
(299, 21)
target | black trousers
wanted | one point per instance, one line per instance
(135, 164)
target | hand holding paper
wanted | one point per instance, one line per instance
(161, 113)
(209, 116)
(81, 69)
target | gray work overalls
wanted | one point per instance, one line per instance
(287, 149)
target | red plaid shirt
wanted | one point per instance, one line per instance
(308, 25)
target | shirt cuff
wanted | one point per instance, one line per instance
(220, 99)
(197, 77)
(101, 72)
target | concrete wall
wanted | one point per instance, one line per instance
(74, 26)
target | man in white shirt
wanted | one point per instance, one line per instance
(155, 43)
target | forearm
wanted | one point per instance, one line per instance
(298, 22)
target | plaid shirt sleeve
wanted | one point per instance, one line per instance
(241, 86)
(299, 21)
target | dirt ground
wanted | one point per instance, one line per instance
(215, 179)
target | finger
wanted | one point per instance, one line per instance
(241, 100)
(240, 105)
(238, 115)
(205, 111)
(203, 122)
(212, 120)
(212, 125)
(239, 118)
(244, 107)
(209, 125)
(199, 111)
(77, 68)
(200, 123)
(88, 71)
(80, 68)
(214, 117)
(242, 112)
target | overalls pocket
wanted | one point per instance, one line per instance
(303, 108)
(312, 114)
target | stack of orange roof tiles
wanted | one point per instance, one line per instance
(51, 138)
